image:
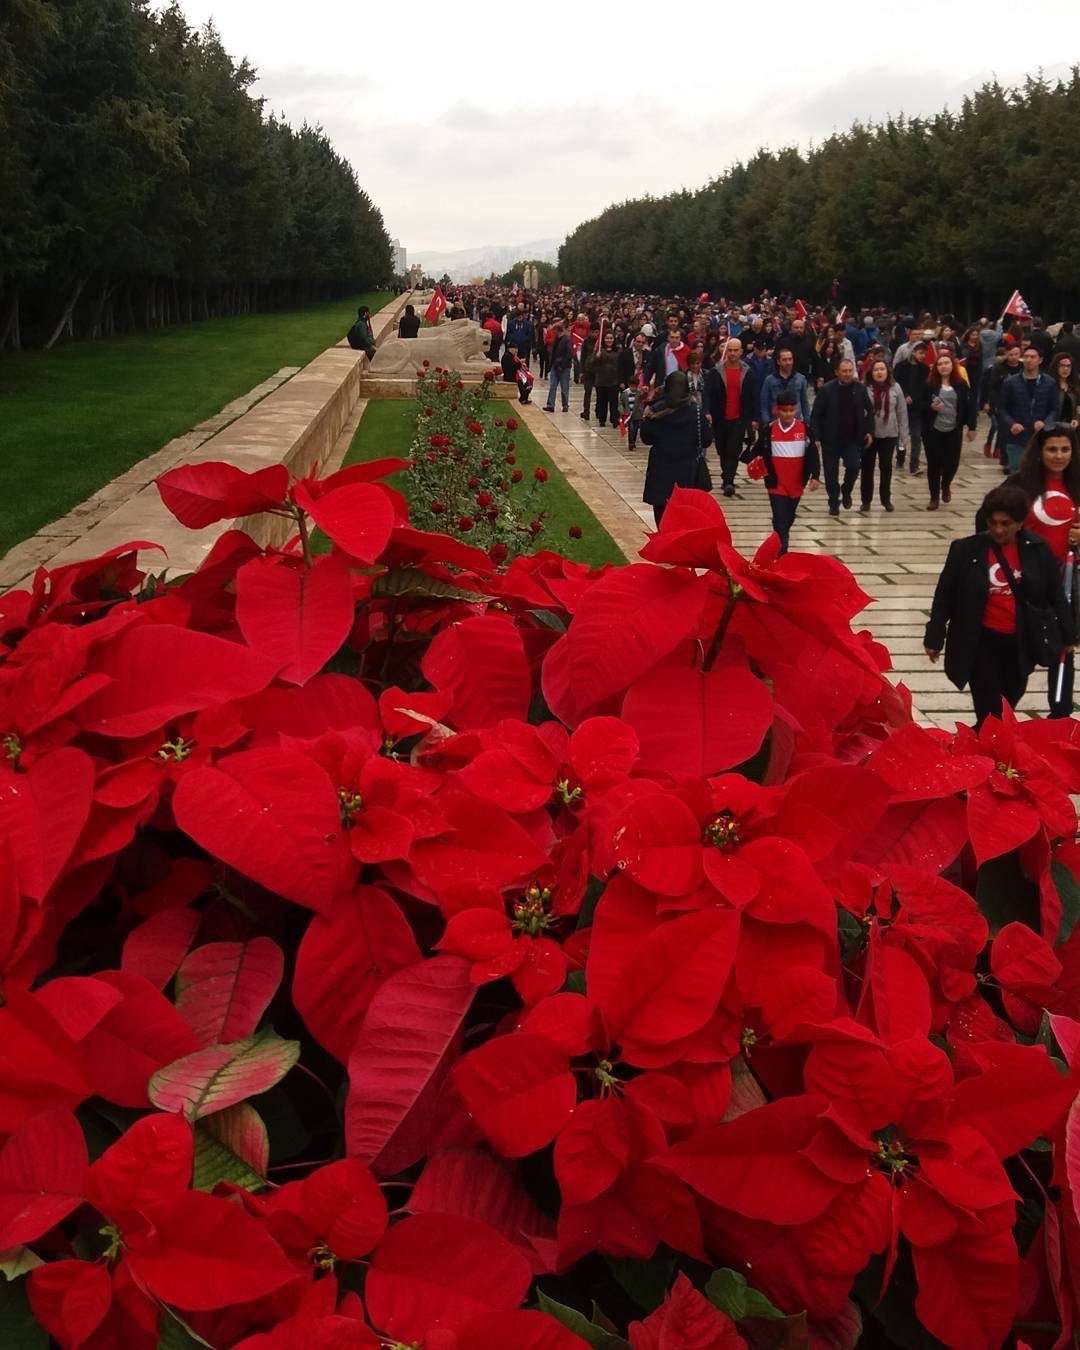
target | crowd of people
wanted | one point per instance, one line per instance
(793, 396)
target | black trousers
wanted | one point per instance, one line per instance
(729, 440)
(658, 511)
(996, 674)
(879, 454)
(607, 404)
(587, 385)
(783, 516)
(942, 458)
(543, 355)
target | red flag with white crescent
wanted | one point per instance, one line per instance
(434, 311)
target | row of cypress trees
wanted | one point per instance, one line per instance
(142, 184)
(953, 211)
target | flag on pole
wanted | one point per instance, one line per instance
(623, 421)
(842, 315)
(1017, 307)
(931, 355)
(576, 339)
(801, 312)
(434, 311)
(514, 289)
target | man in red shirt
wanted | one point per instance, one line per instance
(730, 399)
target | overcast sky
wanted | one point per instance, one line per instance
(468, 130)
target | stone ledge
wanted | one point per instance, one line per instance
(297, 424)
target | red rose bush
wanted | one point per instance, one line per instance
(398, 949)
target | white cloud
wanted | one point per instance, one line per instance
(467, 129)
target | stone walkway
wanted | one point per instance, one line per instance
(895, 557)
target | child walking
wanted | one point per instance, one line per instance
(787, 459)
(631, 407)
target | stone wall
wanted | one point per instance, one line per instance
(296, 425)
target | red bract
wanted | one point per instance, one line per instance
(479, 927)
(200, 494)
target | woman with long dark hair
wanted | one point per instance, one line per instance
(988, 588)
(1049, 475)
(677, 433)
(890, 432)
(947, 407)
(1063, 374)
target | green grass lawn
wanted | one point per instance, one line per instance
(74, 418)
(386, 431)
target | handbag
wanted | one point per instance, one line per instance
(702, 476)
(1042, 632)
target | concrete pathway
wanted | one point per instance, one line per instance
(896, 557)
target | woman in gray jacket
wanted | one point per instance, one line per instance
(890, 431)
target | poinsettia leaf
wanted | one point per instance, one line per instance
(297, 617)
(243, 1131)
(688, 1320)
(223, 988)
(724, 714)
(357, 517)
(207, 1253)
(273, 814)
(231, 1145)
(414, 581)
(403, 1047)
(645, 1281)
(17, 1262)
(144, 1170)
(477, 1186)
(518, 1089)
(175, 1334)
(202, 494)
(626, 622)
(523, 1329)
(223, 1075)
(344, 1204)
(1069, 894)
(481, 663)
(156, 948)
(442, 1270)
(731, 1293)
(43, 1168)
(344, 956)
(579, 1324)
(159, 671)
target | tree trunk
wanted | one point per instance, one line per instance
(99, 308)
(66, 321)
(10, 335)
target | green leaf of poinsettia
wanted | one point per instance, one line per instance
(579, 1324)
(215, 1161)
(729, 1291)
(223, 1075)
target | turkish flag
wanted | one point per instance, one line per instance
(434, 311)
(801, 312)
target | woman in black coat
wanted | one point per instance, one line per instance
(974, 614)
(677, 433)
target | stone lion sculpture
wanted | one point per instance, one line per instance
(458, 344)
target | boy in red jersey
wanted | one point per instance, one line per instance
(787, 459)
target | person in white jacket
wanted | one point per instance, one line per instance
(890, 431)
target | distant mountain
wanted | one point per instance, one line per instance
(480, 262)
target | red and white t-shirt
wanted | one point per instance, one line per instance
(1052, 515)
(1000, 612)
(788, 445)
